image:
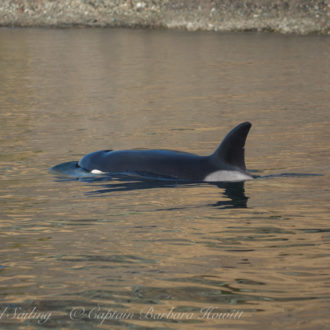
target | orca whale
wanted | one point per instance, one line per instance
(225, 164)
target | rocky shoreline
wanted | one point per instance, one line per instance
(290, 16)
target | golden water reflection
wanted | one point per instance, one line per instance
(126, 247)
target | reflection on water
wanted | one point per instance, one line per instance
(80, 248)
(70, 171)
(232, 190)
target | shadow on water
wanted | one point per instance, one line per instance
(118, 182)
(234, 191)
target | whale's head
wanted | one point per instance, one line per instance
(93, 161)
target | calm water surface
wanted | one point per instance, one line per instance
(123, 253)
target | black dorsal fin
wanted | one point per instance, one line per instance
(231, 149)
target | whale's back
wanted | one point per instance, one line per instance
(227, 163)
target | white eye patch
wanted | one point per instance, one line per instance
(95, 171)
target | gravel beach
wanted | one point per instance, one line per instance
(291, 16)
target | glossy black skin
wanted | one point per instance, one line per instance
(164, 163)
(229, 156)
